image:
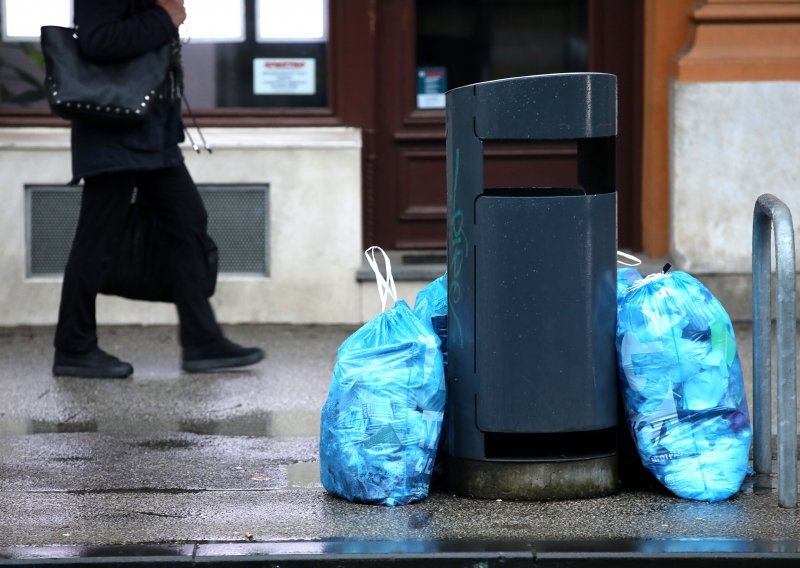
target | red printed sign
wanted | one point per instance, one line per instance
(278, 76)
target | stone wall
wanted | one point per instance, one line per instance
(731, 142)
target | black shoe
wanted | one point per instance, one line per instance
(222, 354)
(96, 364)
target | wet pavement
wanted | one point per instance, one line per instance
(209, 469)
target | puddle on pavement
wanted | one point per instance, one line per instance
(302, 475)
(762, 483)
(282, 424)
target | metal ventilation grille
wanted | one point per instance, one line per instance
(52, 214)
(238, 221)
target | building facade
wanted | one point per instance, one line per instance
(332, 139)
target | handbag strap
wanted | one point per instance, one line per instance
(386, 285)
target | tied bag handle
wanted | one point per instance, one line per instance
(386, 285)
(626, 259)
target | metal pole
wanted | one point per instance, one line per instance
(771, 212)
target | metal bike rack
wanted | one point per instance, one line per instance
(770, 212)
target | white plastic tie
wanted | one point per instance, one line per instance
(647, 280)
(386, 285)
(628, 257)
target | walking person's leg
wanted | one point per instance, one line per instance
(174, 195)
(104, 206)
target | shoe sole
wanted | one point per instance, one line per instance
(88, 373)
(205, 365)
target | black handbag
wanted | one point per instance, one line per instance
(140, 269)
(114, 91)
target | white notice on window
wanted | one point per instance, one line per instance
(274, 76)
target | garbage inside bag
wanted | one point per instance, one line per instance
(381, 422)
(431, 307)
(682, 386)
(632, 474)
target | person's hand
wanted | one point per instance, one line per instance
(175, 10)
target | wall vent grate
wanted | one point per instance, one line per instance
(238, 221)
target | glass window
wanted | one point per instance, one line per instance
(238, 54)
(291, 20)
(282, 61)
(213, 20)
(481, 40)
(20, 23)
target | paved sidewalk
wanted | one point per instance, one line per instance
(224, 466)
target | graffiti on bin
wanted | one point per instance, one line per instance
(459, 249)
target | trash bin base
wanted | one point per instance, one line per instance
(534, 481)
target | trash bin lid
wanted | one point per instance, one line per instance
(561, 106)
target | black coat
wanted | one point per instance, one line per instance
(114, 29)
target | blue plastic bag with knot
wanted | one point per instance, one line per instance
(682, 385)
(382, 419)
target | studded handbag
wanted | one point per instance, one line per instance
(112, 91)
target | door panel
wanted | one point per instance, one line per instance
(420, 176)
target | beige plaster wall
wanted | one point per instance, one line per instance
(314, 175)
(731, 142)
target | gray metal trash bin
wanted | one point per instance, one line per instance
(532, 386)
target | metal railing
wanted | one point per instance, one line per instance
(771, 213)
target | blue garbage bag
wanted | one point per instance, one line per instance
(626, 277)
(682, 385)
(430, 306)
(382, 419)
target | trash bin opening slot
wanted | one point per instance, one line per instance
(550, 446)
(533, 191)
(523, 163)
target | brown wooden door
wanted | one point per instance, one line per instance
(405, 189)
(409, 192)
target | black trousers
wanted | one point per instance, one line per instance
(104, 205)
